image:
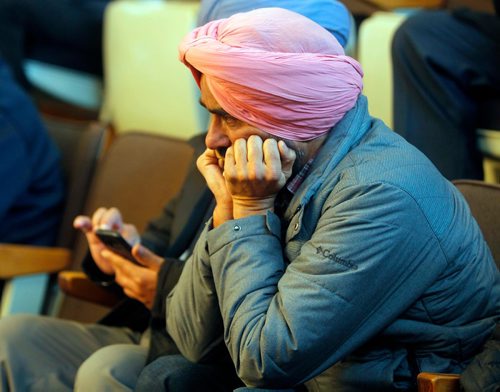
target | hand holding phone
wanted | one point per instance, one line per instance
(116, 243)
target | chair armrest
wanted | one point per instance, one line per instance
(438, 382)
(16, 260)
(78, 285)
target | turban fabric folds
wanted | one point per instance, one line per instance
(276, 70)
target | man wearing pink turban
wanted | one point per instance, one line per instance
(337, 258)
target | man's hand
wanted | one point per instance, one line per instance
(210, 166)
(104, 218)
(137, 282)
(255, 171)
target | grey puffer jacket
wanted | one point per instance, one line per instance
(378, 272)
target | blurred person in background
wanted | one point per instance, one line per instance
(330, 14)
(445, 63)
(66, 33)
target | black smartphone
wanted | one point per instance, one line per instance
(116, 243)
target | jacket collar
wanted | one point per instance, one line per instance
(341, 138)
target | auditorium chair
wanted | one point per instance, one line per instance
(484, 202)
(138, 174)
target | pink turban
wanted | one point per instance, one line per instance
(276, 70)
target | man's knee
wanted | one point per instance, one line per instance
(15, 331)
(112, 367)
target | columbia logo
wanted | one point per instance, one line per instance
(333, 257)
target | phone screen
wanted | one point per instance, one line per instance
(116, 243)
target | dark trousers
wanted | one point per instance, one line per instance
(444, 64)
(175, 373)
(61, 32)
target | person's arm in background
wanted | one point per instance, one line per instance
(138, 282)
(156, 238)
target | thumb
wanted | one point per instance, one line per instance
(147, 258)
(83, 223)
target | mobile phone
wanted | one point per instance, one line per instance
(116, 243)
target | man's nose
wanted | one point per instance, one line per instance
(216, 137)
